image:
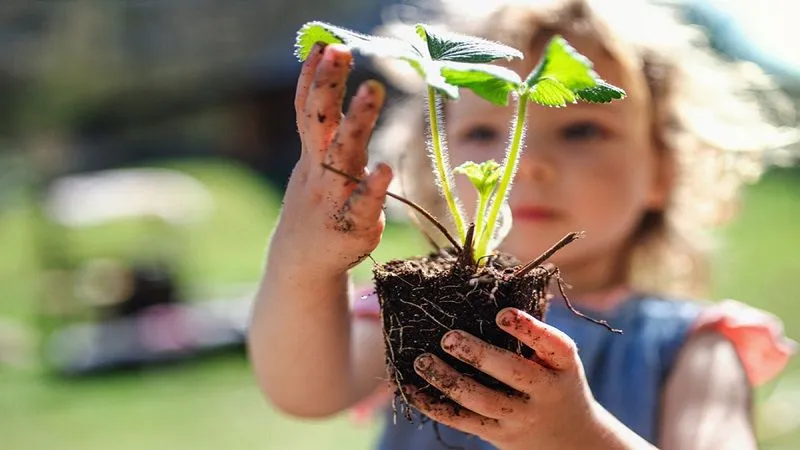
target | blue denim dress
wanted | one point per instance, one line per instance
(625, 372)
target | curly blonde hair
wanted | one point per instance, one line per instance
(710, 122)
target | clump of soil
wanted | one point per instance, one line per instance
(423, 298)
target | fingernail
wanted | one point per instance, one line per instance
(335, 54)
(507, 317)
(370, 88)
(363, 91)
(329, 55)
(423, 362)
(451, 339)
(318, 48)
(384, 169)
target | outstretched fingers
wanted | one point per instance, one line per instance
(348, 152)
(366, 201)
(304, 81)
(362, 210)
(322, 111)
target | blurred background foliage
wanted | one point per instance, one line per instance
(93, 90)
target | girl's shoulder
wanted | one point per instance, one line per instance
(757, 336)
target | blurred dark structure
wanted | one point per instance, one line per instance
(95, 85)
(90, 85)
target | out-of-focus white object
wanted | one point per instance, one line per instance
(99, 197)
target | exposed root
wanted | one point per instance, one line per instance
(566, 240)
(393, 372)
(411, 216)
(427, 314)
(560, 282)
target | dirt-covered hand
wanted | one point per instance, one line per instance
(554, 407)
(327, 218)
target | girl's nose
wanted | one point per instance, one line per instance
(536, 166)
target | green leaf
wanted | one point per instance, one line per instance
(563, 63)
(550, 92)
(492, 83)
(442, 59)
(564, 76)
(602, 93)
(429, 70)
(313, 32)
(449, 46)
(483, 176)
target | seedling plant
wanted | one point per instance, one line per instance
(465, 285)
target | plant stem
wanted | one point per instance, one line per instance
(439, 160)
(480, 218)
(566, 240)
(509, 169)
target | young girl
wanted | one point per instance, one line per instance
(637, 175)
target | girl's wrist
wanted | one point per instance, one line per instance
(585, 431)
(301, 271)
(604, 431)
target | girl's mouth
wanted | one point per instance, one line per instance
(533, 213)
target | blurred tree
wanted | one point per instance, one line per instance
(117, 81)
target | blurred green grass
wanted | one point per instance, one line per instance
(214, 403)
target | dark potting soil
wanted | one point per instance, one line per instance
(423, 298)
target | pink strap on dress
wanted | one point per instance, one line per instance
(757, 336)
(366, 306)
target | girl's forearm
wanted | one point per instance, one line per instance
(300, 339)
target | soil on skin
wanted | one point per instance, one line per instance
(423, 298)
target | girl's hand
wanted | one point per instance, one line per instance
(326, 217)
(554, 408)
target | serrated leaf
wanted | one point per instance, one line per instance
(493, 83)
(448, 46)
(564, 75)
(483, 176)
(313, 32)
(563, 63)
(450, 51)
(550, 92)
(602, 93)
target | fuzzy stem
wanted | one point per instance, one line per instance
(509, 169)
(480, 218)
(439, 161)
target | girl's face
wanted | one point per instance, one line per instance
(586, 167)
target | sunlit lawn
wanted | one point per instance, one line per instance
(213, 404)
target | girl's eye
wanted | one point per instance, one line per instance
(481, 133)
(583, 131)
